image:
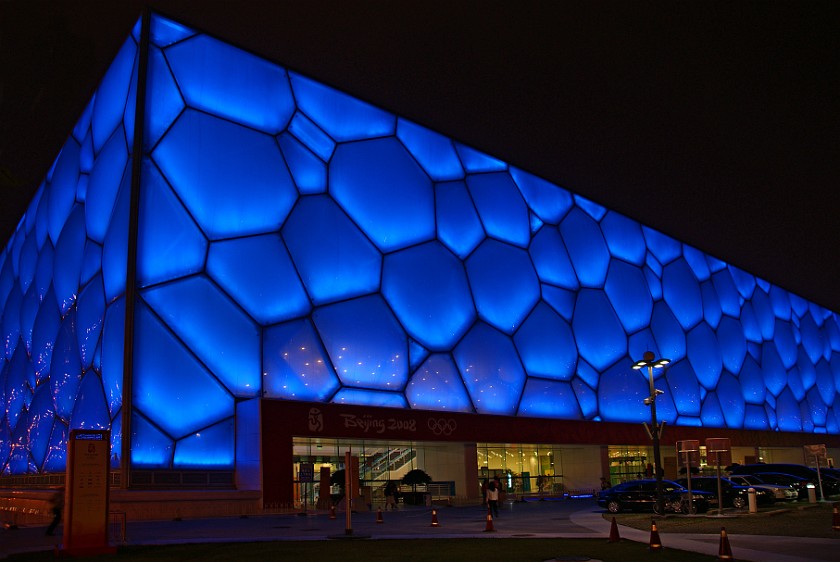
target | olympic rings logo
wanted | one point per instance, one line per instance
(442, 426)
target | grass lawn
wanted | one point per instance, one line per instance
(795, 520)
(431, 550)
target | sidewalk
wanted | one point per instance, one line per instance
(560, 519)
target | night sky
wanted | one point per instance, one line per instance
(713, 122)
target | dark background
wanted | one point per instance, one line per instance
(713, 122)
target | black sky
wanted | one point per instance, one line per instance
(714, 122)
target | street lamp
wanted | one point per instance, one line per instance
(654, 431)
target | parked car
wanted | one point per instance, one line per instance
(831, 485)
(639, 495)
(780, 491)
(795, 482)
(733, 495)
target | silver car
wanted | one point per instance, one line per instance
(780, 492)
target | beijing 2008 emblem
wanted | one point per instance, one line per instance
(316, 420)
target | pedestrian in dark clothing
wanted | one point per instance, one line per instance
(56, 508)
(390, 495)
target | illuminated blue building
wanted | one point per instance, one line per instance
(218, 232)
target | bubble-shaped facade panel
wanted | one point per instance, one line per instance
(682, 293)
(384, 191)
(312, 136)
(705, 355)
(491, 370)
(500, 205)
(775, 375)
(437, 385)
(458, 225)
(546, 345)
(214, 328)
(150, 447)
(549, 399)
(751, 379)
(669, 336)
(476, 161)
(210, 448)
(105, 180)
(685, 391)
(727, 293)
(90, 411)
(435, 152)
(334, 259)
(68, 259)
(223, 80)
(170, 243)
(428, 290)
(210, 162)
(343, 117)
(712, 311)
(66, 367)
(163, 99)
(552, 260)
(624, 238)
(112, 95)
(504, 284)
(171, 387)
(365, 343)
(258, 273)
(550, 202)
(732, 401)
(375, 398)
(628, 292)
(295, 363)
(621, 394)
(662, 246)
(62, 192)
(600, 338)
(90, 316)
(744, 282)
(587, 249)
(308, 171)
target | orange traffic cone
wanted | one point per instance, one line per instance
(379, 519)
(332, 512)
(434, 519)
(614, 536)
(835, 524)
(655, 544)
(489, 527)
(725, 551)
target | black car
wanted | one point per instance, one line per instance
(830, 485)
(733, 495)
(639, 495)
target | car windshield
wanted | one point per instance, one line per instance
(750, 479)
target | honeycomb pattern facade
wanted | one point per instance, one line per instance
(295, 243)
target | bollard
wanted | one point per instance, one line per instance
(812, 493)
(752, 500)
(435, 519)
(835, 521)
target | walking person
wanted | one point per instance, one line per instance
(493, 499)
(390, 495)
(56, 508)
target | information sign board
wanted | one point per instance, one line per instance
(86, 514)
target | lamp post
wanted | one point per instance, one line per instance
(651, 363)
